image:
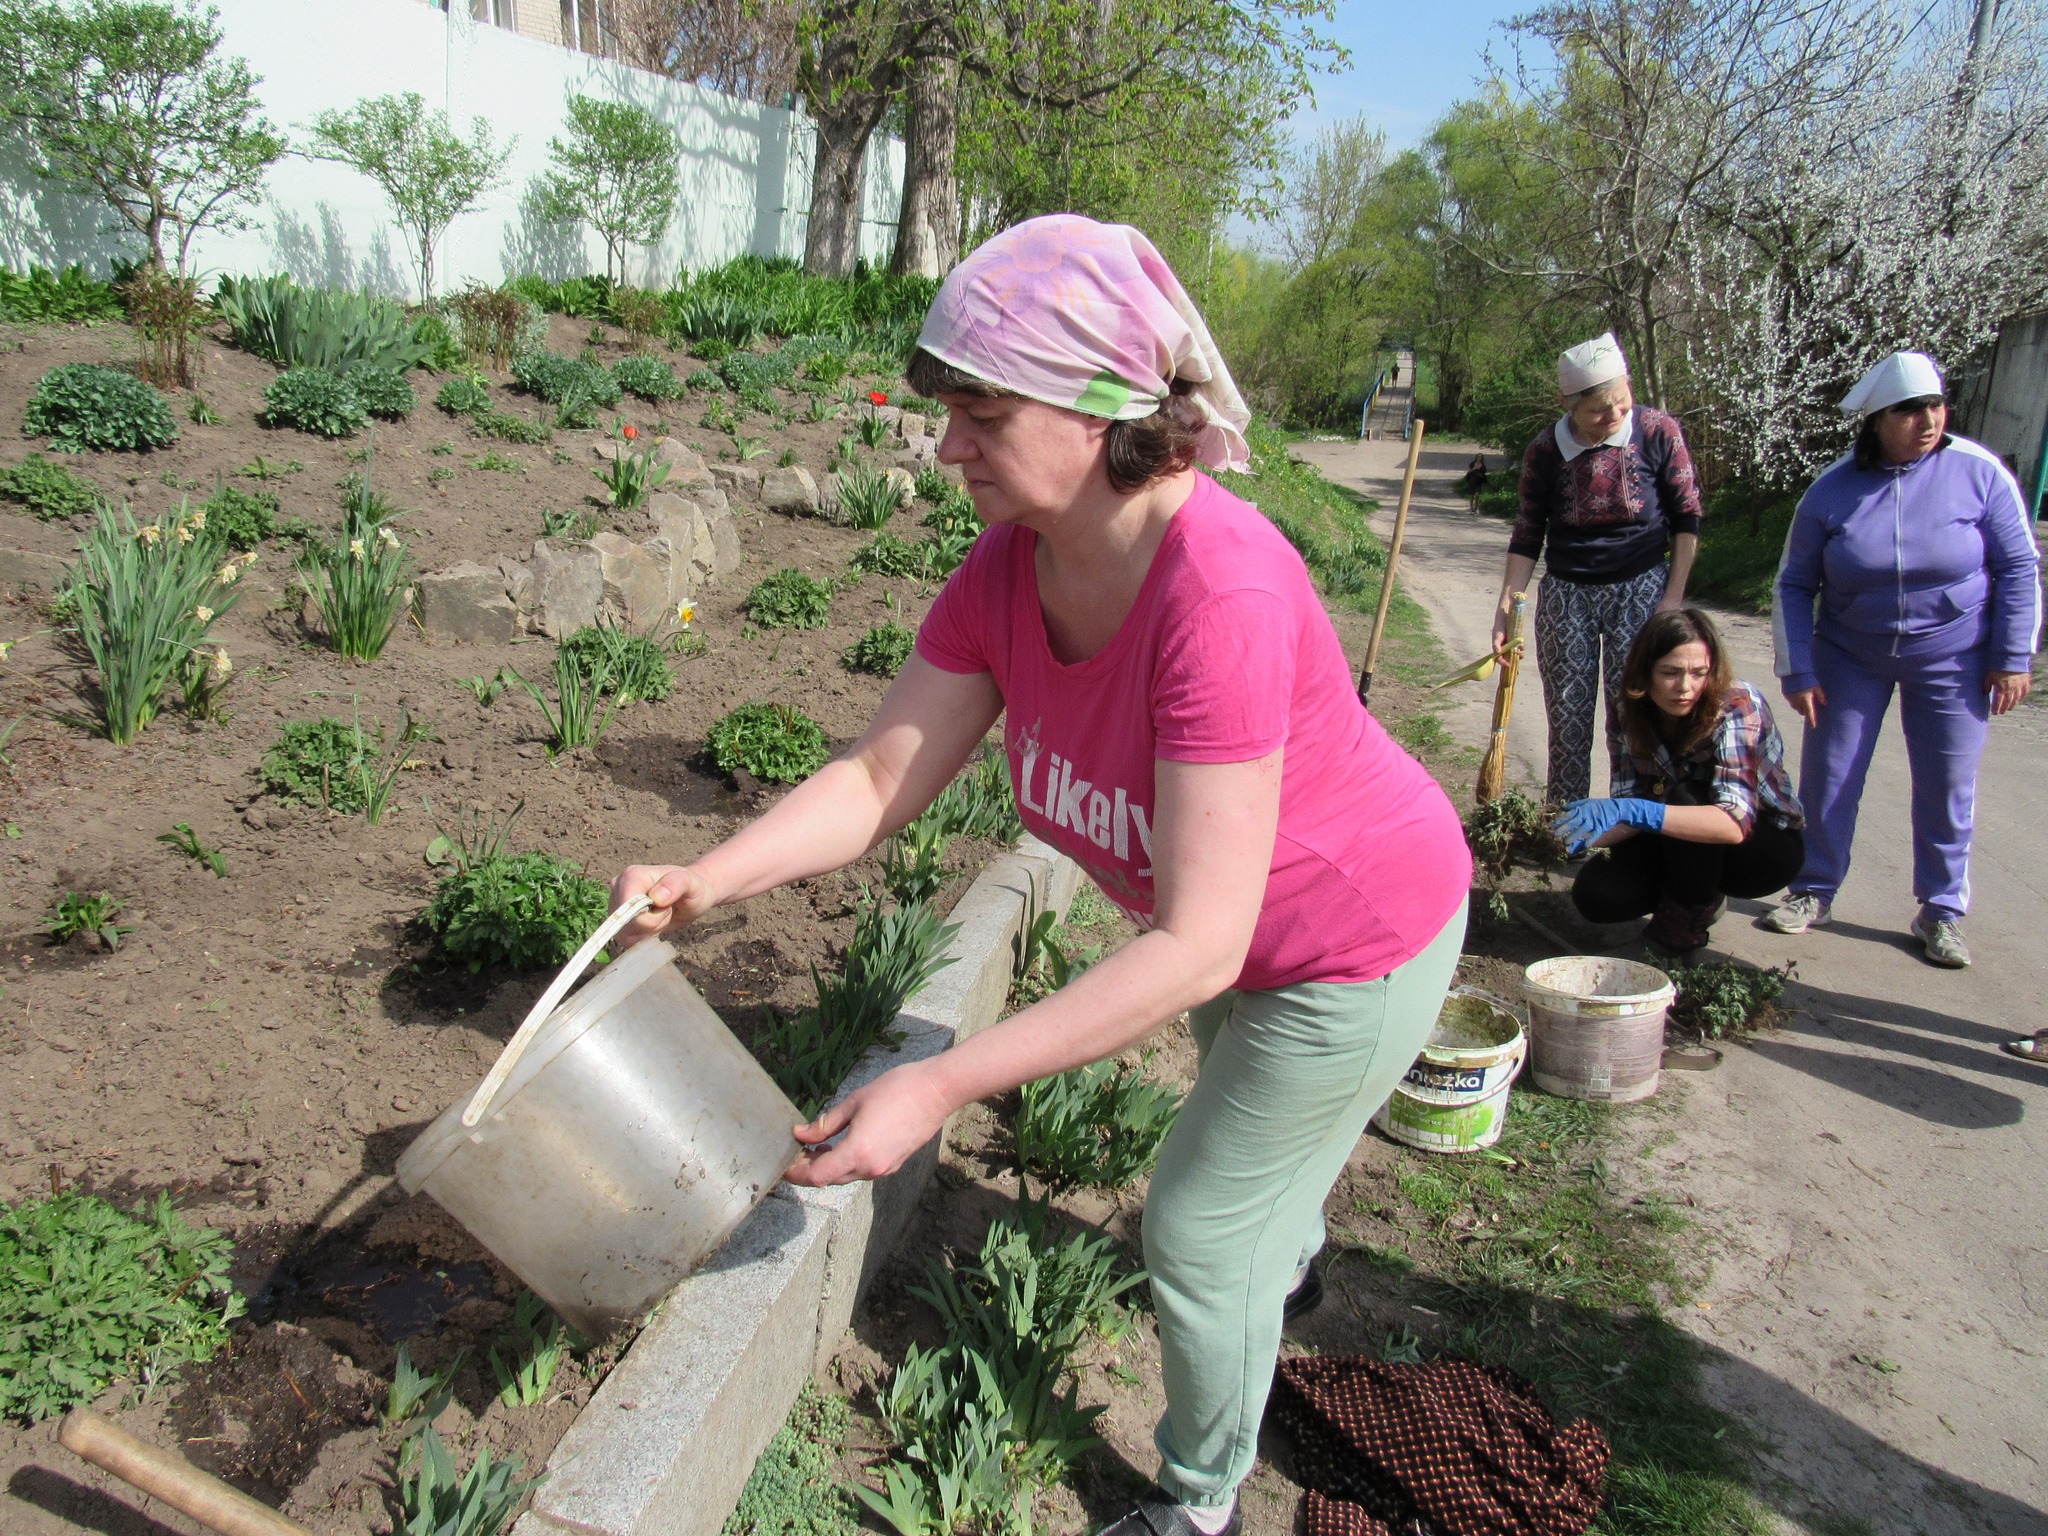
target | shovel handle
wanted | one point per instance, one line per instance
(165, 1475)
(570, 974)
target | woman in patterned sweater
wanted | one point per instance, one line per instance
(1700, 806)
(1607, 493)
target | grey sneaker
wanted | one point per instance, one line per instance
(1800, 911)
(1942, 938)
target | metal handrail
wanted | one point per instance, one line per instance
(1372, 398)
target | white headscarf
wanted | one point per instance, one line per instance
(1590, 364)
(1902, 376)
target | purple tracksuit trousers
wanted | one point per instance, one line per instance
(1945, 710)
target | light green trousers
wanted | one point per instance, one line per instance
(1288, 1080)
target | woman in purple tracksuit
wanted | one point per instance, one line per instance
(1911, 565)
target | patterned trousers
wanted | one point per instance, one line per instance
(1576, 622)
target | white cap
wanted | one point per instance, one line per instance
(1590, 363)
(1902, 376)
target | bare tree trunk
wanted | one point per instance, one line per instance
(928, 221)
(848, 88)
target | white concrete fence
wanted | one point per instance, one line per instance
(745, 167)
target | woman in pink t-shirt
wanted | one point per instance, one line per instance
(1180, 719)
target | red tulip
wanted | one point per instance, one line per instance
(629, 432)
(876, 397)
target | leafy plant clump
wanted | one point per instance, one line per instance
(83, 405)
(90, 915)
(92, 1294)
(882, 651)
(794, 1489)
(630, 478)
(72, 296)
(777, 743)
(329, 328)
(867, 498)
(463, 396)
(1098, 1125)
(563, 380)
(578, 717)
(494, 325)
(338, 765)
(383, 391)
(1513, 824)
(1723, 997)
(315, 401)
(790, 600)
(242, 519)
(48, 490)
(635, 667)
(648, 377)
(533, 1352)
(887, 555)
(358, 580)
(437, 1501)
(524, 911)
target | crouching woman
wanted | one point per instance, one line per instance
(1700, 807)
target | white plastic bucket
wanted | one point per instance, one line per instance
(1455, 1097)
(619, 1139)
(1596, 1026)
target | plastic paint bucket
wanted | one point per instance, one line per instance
(1596, 1026)
(1455, 1097)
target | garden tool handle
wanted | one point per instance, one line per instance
(168, 1476)
(501, 1069)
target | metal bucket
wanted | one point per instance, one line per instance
(1596, 1026)
(617, 1142)
(1455, 1097)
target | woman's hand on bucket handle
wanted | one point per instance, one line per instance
(2007, 689)
(679, 896)
(884, 1123)
(1807, 703)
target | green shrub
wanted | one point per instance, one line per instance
(91, 1294)
(296, 327)
(82, 405)
(326, 762)
(72, 295)
(881, 651)
(1098, 1125)
(790, 600)
(494, 325)
(48, 490)
(794, 1489)
(1742, 540)
(932, 485)
(463, 396)
(704, 378)
(145, 599)
(383, 391)
(444, 354)
(508, 428)
(887, 555)
(316, 401)
(240, 519)
(1724, 996)
(635, 667)
(826, 368)
(559, 380)
(525, 911)
(648, 377)
(778, 743)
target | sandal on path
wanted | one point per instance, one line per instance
(2033, 1048)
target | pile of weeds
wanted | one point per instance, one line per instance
(1514, 826)
(1534, 1256)
(1725, 997)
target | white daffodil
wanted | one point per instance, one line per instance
(203, 614)
(355, 547)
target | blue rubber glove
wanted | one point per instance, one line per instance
(1584, 822)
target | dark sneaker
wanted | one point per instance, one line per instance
(1942, 938)
(1156, 1515)
(1306, 1296)
(1677, 929)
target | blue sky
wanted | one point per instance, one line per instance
(1409, 62)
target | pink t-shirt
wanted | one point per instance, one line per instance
(1226, 655)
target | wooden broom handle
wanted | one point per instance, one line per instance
(164, 1475)
(1379, 618)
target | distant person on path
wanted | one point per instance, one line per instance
(1179, 718)
(1701, 808)
(1473, 481)
(1607, 494)
(1911, 565)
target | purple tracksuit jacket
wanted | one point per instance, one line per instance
(1928, 560)
(1917, 579)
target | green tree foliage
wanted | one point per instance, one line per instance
(126, 100)
(617, 172)
(429, 173)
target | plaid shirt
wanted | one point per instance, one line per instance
(1740, 768)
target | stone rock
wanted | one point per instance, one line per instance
(791, 490)
(736, 475)
(911, 424)
(517, 578)
(465, 605)
(568, 586)
(636, 584)
(29, 568)
(712, 500)
(921, 451)
(889, 413)
(725, 543)
(686, 465)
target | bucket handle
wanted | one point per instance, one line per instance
(501, 1069)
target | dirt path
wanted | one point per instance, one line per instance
(1881, 1269)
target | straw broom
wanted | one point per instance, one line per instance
(1493, 772)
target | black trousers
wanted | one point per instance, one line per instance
(1636, 875)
